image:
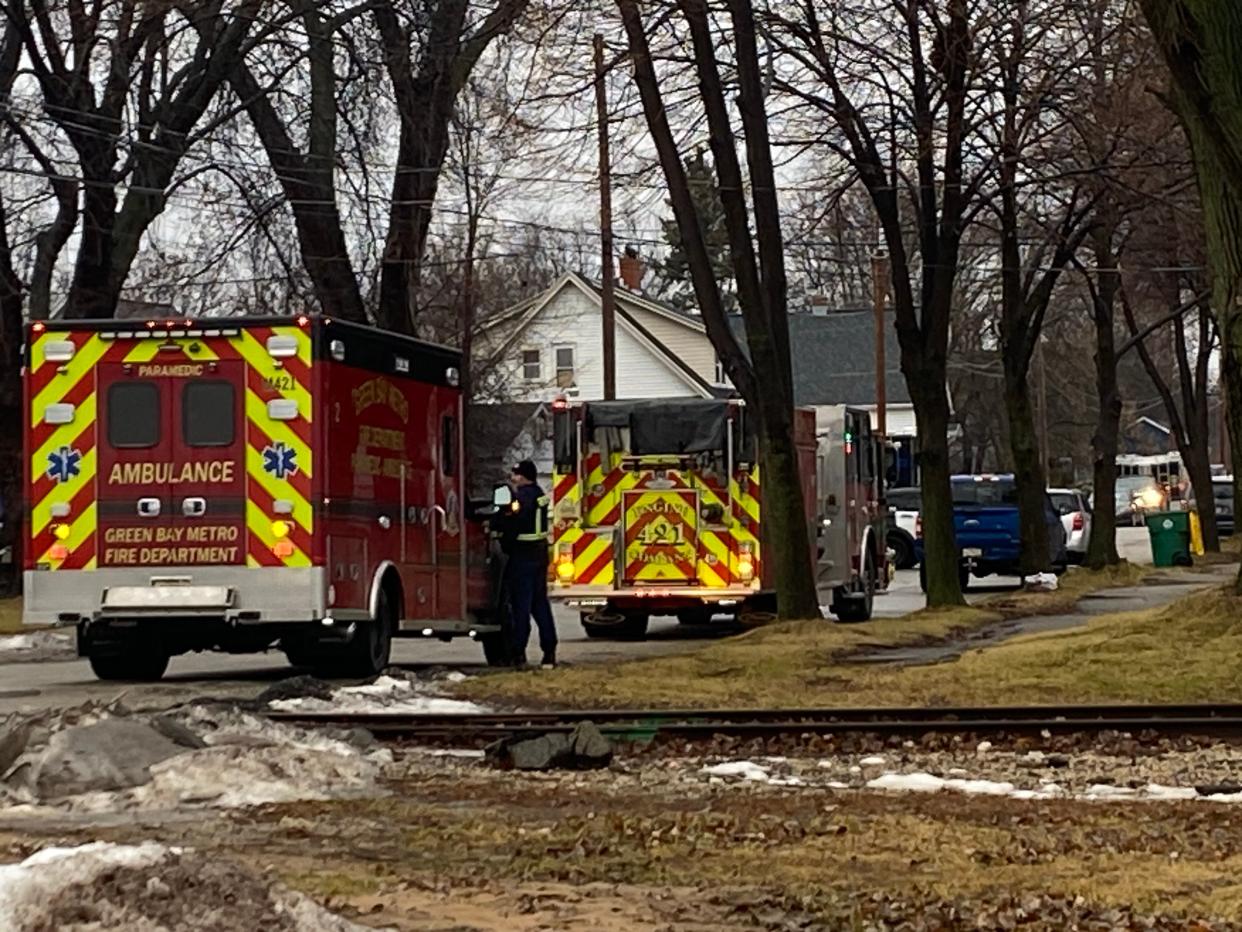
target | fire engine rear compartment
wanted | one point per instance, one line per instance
(267, 483)
(657, 510)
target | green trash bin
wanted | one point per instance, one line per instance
(1170, 538)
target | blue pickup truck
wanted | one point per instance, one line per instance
(986, 528)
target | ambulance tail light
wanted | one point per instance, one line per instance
(746, 561)
(565, 563)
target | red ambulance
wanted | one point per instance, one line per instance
(246, 484)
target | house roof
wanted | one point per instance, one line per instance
(833, 358)
(521, 315)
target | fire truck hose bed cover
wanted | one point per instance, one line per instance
(688, 425)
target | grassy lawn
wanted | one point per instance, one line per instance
(804, 664)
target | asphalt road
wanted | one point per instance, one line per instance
(61, 683)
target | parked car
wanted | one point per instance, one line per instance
(1075, 514)
(1222, 493)
(904, 505)
(987, 530)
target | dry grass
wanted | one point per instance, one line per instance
(1076, 583)
(11, 616)
(786, 664)
(1190, 651)
(799, 664)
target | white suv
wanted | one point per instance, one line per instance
(1075, 514)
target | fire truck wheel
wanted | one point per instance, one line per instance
(857, 605)
(632, 626)
(135, 665)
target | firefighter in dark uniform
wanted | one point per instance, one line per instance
(526, 534)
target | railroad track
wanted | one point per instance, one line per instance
(644, 724)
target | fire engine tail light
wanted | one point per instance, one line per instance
(283, 548)
(61, 531)
(58, 552)
(565, 563)
(746, 561)
(280, 529)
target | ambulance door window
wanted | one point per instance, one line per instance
(133, 415)
(208, 416)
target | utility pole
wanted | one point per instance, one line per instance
(608, 294)
(879, 287)
(1043, 406)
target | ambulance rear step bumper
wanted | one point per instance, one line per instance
(232, 594)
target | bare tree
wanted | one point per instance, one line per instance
(426, 87)
(93, 64)
(758, 263)
(900, 102)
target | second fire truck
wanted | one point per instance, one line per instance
(657, 509)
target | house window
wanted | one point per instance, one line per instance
(564, 367)
(532, 365)
(722, 378)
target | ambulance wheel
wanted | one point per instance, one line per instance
(369, 651)
(136, 665)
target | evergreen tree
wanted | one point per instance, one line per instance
(673, 274)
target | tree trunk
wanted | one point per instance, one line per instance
(1102, 546)
(1199, 471)
(1028, 475)
(90, 294)
(939, 538)
(1222, 213)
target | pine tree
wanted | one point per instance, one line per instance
(673, 273)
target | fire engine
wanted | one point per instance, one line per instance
(657, 510)
(244, 484)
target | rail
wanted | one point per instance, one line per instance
(644, 724)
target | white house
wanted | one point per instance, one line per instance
(552, 344)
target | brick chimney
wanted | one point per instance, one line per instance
(632, 269)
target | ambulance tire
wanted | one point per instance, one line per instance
(370, 650)
(134, 666)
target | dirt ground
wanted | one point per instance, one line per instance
(457, 846)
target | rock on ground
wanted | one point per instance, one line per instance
(584, 748)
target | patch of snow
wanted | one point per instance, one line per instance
(463, 753)
(980, 787)
(983, 747)
(26, 887)
(35, 640)
(1108, 791)
(745, 769)
(1224, 798)
(786, 781)
(231, 776)
(875, 760)
(1157, 791)
(388, 695)
(837, 785)
(907, 782)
